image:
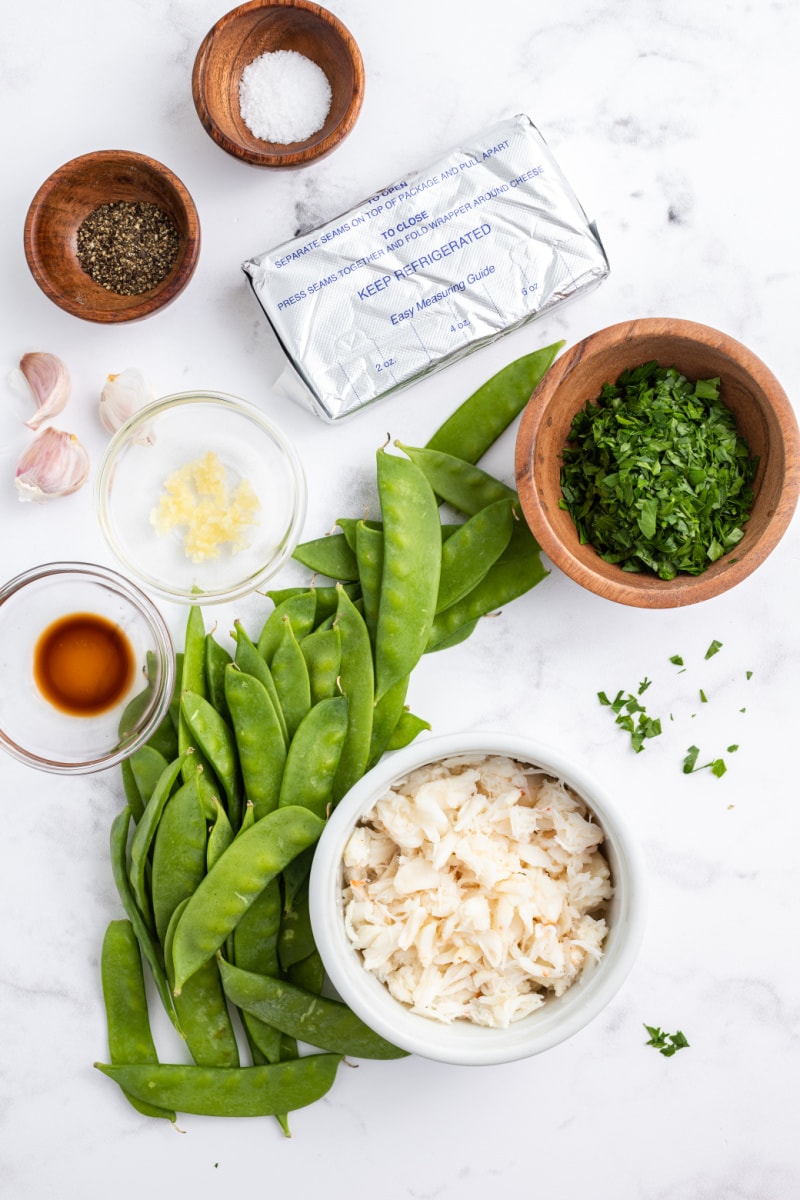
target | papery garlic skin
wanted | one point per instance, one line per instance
(55, 464)
(122, 396)
(48, 381)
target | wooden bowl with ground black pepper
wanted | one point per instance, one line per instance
(112, 236)
(659, 478)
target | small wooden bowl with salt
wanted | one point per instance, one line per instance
(278, 83)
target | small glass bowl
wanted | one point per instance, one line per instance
(35, 731)
(173, 433)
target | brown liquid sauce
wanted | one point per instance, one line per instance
(83, 664)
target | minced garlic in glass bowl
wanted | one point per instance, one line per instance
(476, 898)
(201, 497)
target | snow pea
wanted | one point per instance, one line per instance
(202, 1008)
(216, 740)
(255, 948)
(193, 679)
(369, 555)
(517, 570)
(356, 680)
(472, 550)
(313, 756)
(133, 796)
(407, 728)
(290, 672)
(385, 716)
(322, 651)
(236, 879)
(216, 660)
(179, 854)
(222, 1092)
(129, 1036)
(259, 739)
(146, 831)
(120, 827)
(296, 937)
(412, 552)
(478, 422)
(147, 764)
(314, 1019)
(309, 973)
(465, 487)
(249, 660)
(330, 556)
(302, 613)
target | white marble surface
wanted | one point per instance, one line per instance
(674, 125)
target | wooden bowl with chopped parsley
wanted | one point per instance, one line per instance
(658, 462)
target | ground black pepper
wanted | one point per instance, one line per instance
(128, 248)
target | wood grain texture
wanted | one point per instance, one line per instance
(257, 28)
(63, 202)
(764, 417)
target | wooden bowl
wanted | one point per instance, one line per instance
(262, 26)
(64, 201)
(764, 417)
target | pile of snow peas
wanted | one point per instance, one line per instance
(212, 852)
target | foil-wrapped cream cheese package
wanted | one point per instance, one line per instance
(427, 270)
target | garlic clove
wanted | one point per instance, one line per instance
(122, 396)
(48, 382)
(55, 464)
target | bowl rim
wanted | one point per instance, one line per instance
(241, 408)
(131, 308)
(113, 580)
(648, 591)
(269, 157)
(461, 1043)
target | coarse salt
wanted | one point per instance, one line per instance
(284, 97)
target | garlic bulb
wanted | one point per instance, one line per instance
(55, 464)
(122, 396)
(46, 379)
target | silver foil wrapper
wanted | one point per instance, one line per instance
(427, 270)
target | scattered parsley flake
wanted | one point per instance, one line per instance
(666, 1043)
(631, 716)
(748, 674)
(713, 649)
(703, 697)
(732, 749)
(677, 660)
(643, 686)
(690, 759)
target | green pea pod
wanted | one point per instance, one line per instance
(133, 796)
(369, 555)
(216, 740)
(147, 765)
(472, 550)
(255, 948)
(454, 639)
(129, 1037)
(518, 569)
(290, 672)
(309, 974)
(220, 835)
(356, 681)
(259, 739)
(175, 702)
(478, 422)
(119, 841)
(193, 679)
(314, 755)
(407, 728)
(296, 937)
(330, 556)
(302, 613)
(202, 1008)
(221, 1092)
(412, 553)
(322, 651)
(349, 527)
(249, 660)
(387, 713)
(295, 874)
(313, 1019)
(465, 487)
(179, 854)
(237, 878)
(216, 660)
(146, 831)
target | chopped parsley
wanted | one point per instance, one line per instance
(632, 716)
(666, 1043)
(716, 766)
(654, 474)
(677, 660)
(713, 649)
